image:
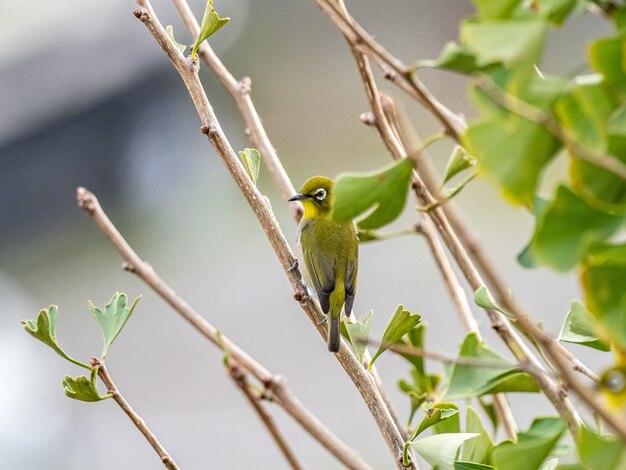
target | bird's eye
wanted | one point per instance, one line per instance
(320, 194)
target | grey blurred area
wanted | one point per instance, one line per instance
(88, 99)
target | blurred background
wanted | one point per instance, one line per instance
(89, 99)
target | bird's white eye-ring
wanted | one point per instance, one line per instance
(320, 194)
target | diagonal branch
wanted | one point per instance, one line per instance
(498, 321)
(210, 126)
(238, 374)
(241, 90)
(103, 373)
(386, 124)
(133, 263)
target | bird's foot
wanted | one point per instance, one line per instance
(293, 267)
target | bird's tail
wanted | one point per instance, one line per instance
(333, 333)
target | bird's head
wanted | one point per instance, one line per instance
(316, 196)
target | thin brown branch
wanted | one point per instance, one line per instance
(456, 291)
(396, 71)
(210, 126)
(405, 349)
(588, 396)
(133, 263)
(241, 91)
(134, 417)
(238, 374)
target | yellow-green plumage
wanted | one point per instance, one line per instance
(330, 253)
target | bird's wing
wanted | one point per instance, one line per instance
(351, 280)
(321, 271)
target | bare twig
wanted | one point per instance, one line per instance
(405, 349)
(134, 417)
(240, 90)
(591, 399)
(133, 263)
(238, 374)
(394, 68)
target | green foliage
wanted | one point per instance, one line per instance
(251, 159)
(600, 452)
(170, 32)
(602, 274)
(384, 190)
(477, 450)
(44, 329)
(437, 413)
(111, 321)
(211, 23)
(400, 323)
(566, 230)
(531, 448)
(440, 450)
(579, 328)
(83, 388)
(360, 331)
(459, 161)
(470, 381)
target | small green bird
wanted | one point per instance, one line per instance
(330, 251)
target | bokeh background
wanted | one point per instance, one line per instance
(88, 99)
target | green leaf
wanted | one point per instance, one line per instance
(44, 329)
(578, 328)
(606, 55)
(476, 450)
(83, 388)
(360, 331)
(435, 414)
(440, 450)
(459, 160)
(461, 465)
(589, 113)
(566, 230)
(531, 448)
(384, 190)
(450, 425)
(490, 411)
(602, 275)
(170, 32)
(211, 22)
(515, 44)
(550, 464)
(488, 9)
(453, 57)
(512, 152)
(555, 11)
(600, 452)
(484, 299)
(112, 320)
(251, 161)
(400, 323)
(415, 394)
(470, 381)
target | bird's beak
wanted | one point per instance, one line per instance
(299, 197)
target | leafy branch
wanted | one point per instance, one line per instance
(275, 386)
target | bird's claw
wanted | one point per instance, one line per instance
(293, 267)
